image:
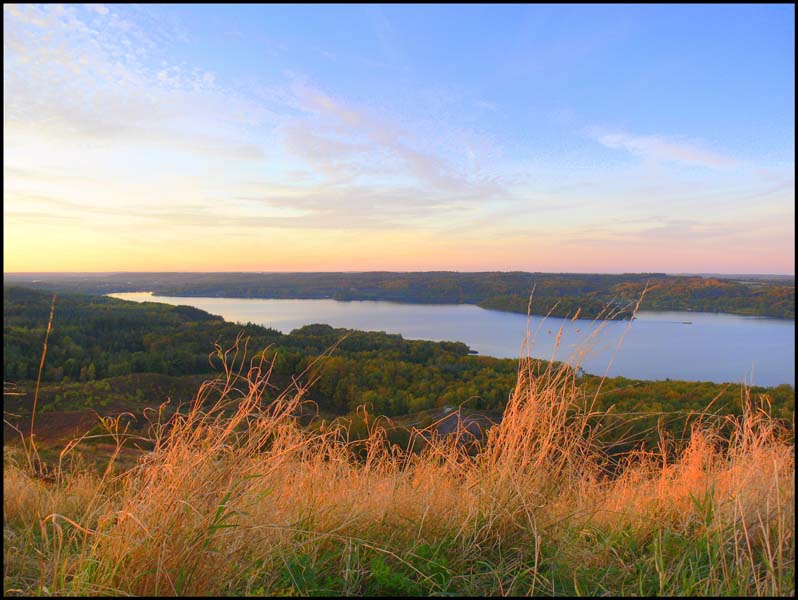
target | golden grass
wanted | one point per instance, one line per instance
(238, 498)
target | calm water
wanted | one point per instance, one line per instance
(658, 345)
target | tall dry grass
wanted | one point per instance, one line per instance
(238, 498)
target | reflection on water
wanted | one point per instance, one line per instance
(658, 345)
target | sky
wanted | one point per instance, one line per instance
(555, 138)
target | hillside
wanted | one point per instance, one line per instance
(236, 496)
(173, 455)
(611, 296)
(113, 356)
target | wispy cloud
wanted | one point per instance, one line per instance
(664, 232)
(320, 206)
(101, 77)
(341, 132)
(86, 72)
(662, 148)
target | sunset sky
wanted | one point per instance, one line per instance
(318, 138)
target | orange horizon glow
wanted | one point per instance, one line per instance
(400, 252)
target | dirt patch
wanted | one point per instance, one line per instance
(51, 427)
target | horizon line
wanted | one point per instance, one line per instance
(679, 273)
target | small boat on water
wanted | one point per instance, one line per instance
(687, 322)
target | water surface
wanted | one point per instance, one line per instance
(658, 345)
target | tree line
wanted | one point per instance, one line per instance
(558, 294)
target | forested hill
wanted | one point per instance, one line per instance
(559, 294)
(111, 355)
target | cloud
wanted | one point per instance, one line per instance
(321, 206)
(78, 75)
(667, 232)
(357, 206)
(26, 13)
(333, 156)
(315, 100)
(785, 185)
(85, 73)
(349, 141)
(31, 216)
(662, 148)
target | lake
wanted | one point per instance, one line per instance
(658, 345)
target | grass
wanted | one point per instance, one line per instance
(237, 497)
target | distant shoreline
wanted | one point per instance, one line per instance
(587, 296)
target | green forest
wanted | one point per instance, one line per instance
(113, 356)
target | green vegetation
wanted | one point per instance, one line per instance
(560, 294)
(113, 356)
